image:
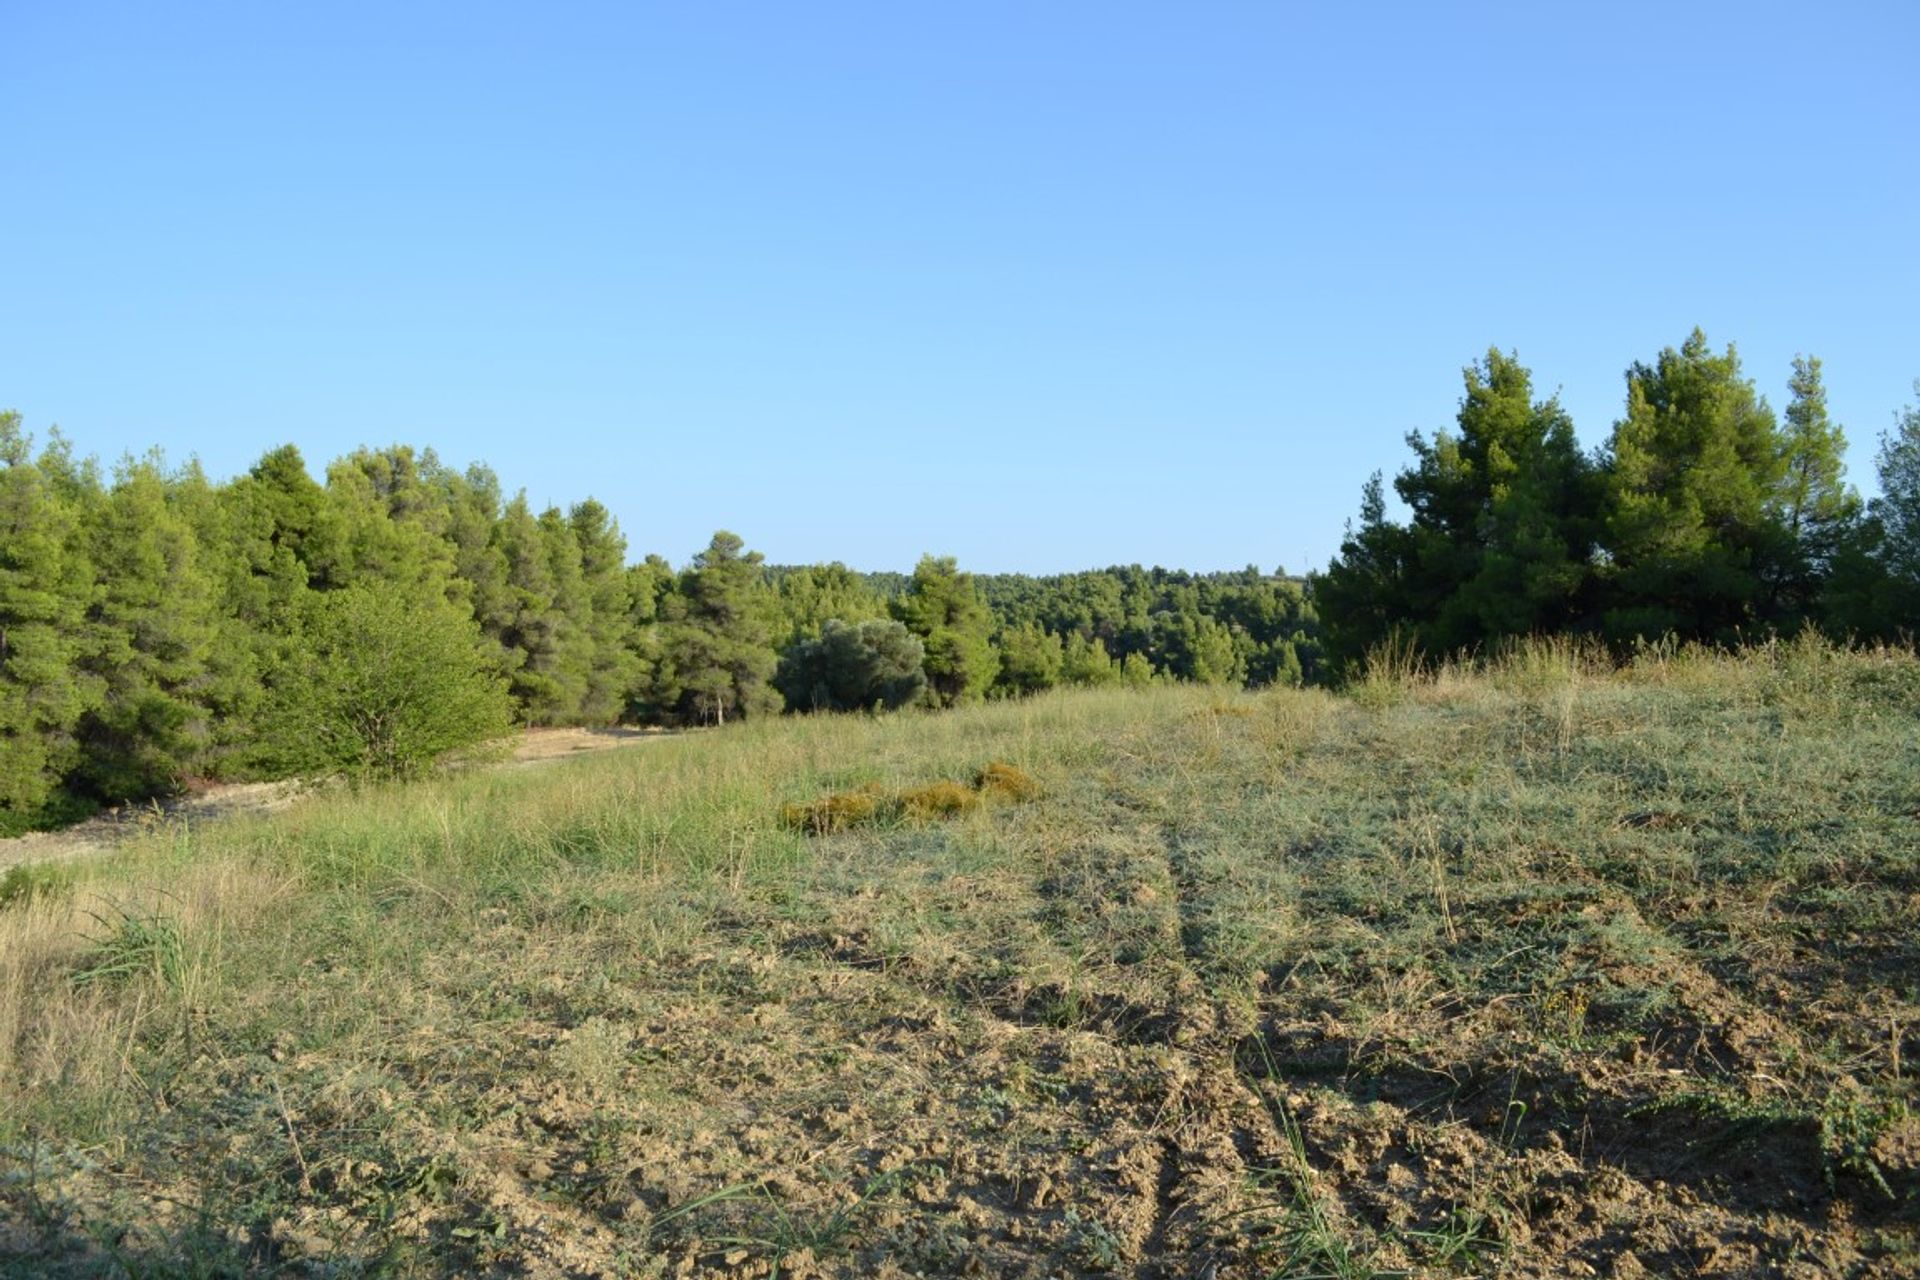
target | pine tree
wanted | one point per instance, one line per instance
(152, 627)
(1691, 518)
(230, 692)
(1519, 536)
(1362, 597)
(1084, 661)
(603, 567)
(571, 671)
(1897, 509)
(651, 692)
(717, 639)
(1031, 659)
(1814, 501)
(1198, 648)
(267, 523)
(529, 624)
(943, 607)
(811, 595)
(473, 507)
(45, 586)
(391, 524)
(291, 513)
(1876, 588)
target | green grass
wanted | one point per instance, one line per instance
(1473, 972)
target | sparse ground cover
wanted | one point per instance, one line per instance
(1538, 972)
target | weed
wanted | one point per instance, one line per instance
(1851, 1125)
(1392, 668)
(1093, 1246)
(594, 1055)
(780, 1233)
(1467, 1239)
(135, 945)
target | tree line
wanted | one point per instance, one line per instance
(158, 629)
(1704, 516)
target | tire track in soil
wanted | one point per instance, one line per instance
(1235, 1128)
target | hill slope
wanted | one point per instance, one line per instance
(1541, 972)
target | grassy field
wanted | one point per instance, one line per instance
(1541, 971)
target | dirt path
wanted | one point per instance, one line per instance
(114, 826)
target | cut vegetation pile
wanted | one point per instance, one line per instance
(1540, 971)
(871, 803)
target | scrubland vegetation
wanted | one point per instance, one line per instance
(1544, 968)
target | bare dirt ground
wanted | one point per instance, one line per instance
(231, 799)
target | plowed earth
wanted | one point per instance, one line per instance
(1612, 979)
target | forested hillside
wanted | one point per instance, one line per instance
(158, 627)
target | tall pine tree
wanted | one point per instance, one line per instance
(1691, 525)
(1814, 502)
(152, 628)
(943, 607)
(45, 586)
(718, 652)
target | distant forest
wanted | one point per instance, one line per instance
(158, 629)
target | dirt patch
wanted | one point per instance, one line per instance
(122, 823)
(536, 746)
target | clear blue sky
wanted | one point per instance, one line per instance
(1043, 286)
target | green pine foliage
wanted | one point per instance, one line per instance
(1703, 518)
(152, 626)
(717, 658)
(44, 588)
(1897, 509)
(1872, 587)
(529, 624)
(1691, 527)
(811, 595)
(1031, 660)
(1501, 537)
(612, 664)
(944, 608)
(1085, 661)
(1815, 502)
(1364, 596)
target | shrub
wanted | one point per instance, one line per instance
(381, 685)
(853, 666)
